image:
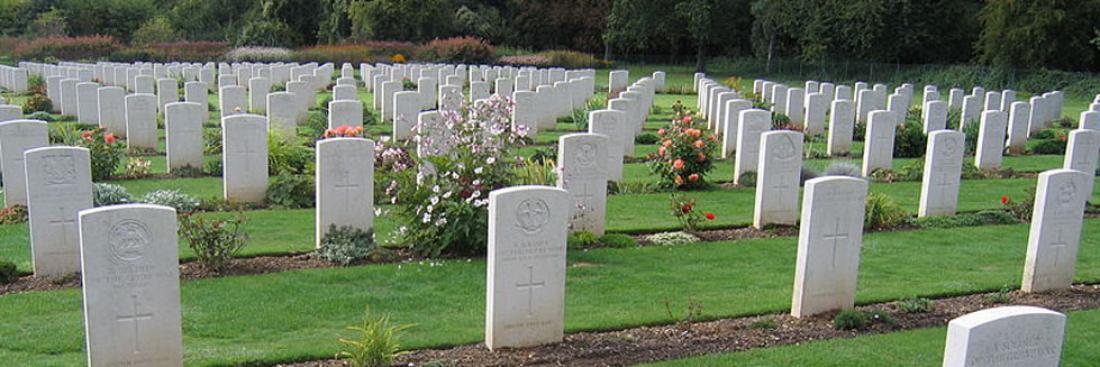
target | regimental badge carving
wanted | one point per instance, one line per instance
(785, 150)
(59, 170)
(1066, 192)
(586, 154)
(129, 239)
(532, 215)
(950, 147)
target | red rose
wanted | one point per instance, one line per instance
(109, 138)
(710, 216)
(1004, 200)
(86, 135)
(693, 177)
(687, 119)
(686, 208)
(678, 164)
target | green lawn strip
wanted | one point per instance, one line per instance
(298, 315)
(920, 347)
(276, 231)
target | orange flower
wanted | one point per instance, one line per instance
(712, 138)
(693, 133)
(329, 133)
(700, 144)
(109, 138)
(342, 129)
(694, 177)
(678, 164)
(687, 119)
(86, 135)
(667, 143)
(702, 157)
(661, 132)
(686, 208)
(679, 181)
(661, 151)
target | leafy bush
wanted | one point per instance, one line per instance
(464, 49)
(647, 139)
(747, 179)
(1048, 146)
(985, 217)
(882, 212)
(8, 272)
(1002, 296)
(582, 239)
(1022, 209)
(106, 152)
(850, 320)
(915, 305)
(104, 194)
(445, 210)
(258, 54)
(285, 156)
(214, 242)
(212, 141)
(579, 118)
(686, 154)
(565, 59)
(843, 169)
(41, 116)
(37, 103)
(618, 240)
(346, 245)
(173, 198)
(291, 191)
(912, 171)
(157, 29)
(68, 48)
(375, 343)
(672, 238)
(531, 172)
(14, 214)
(909, 139)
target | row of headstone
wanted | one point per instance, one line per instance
(13, 79)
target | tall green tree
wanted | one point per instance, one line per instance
(1039, 34)
(211, 20)
(698, 15)
(335, 23)
(116, 18)
(401, 20)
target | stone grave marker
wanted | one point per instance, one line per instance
(244, 158)
(991, 140)
(612, 124)
(16, 137)
(183, 135)
(878, 148)
(1009, 336)
(582, 171)
(829, 240)
(753, 123)
(943, 160)
(59, 185)
(1055, 234)
(777, 179)
(345, 184)
(141, 121)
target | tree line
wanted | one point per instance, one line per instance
(1058, 34)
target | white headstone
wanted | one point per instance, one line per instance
(344, 93)
(582, 171)
(1017, 127)
(282, 112)
(16, 137)
(618, 80)
(244, 158)
(59, 185)
(753, 123)
(87, 103)
(935, 116)
(167, 93)
(796, 104)
(1089, 120)
(1082, 151)
(841, 127)
(817, 105)
(878, 144)
(345, 112)
(991, 140)
(258, 88)
(141, 121)
(943, 160)
(450, 98)
(1055, 229)
(433, 138)
(345, 184)
(183, 134)
(388, 90)
(1011, 336)
(112, 110)
(611, 123)
(829, 241)
(478, 91)
(232, 100)
(525, 294)
(732, 116)
(406, 109)
(777, 181)
(131, 319)
(524, 113)
(971, 111)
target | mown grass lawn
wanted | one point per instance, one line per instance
(298, 315)
(922, 347)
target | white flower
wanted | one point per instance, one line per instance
(378, 212)
(434, 199)
(475, 194)
(479, 170)
(447, 195)
(491, 160)
(427, 218)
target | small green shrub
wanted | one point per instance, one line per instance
(672, 238)
(8, 272)
(618, 240)
(915, 305)
(106, 152)
(1048, 146)
(850, 320)
(843, 169)
(912, 171)
(747, 179)
(971, 132)
(530, 172)
(375, 343)
(174, 198)
(1002, 296)
(633, 187)
(346, 245)
(41, 116)
(647, 139)
(137, 167)
(291, 191)
(214, 242)
(542, 155)
(882, 213)
(764, 324)
(580, 119)
(213, 167)
(285, 156)
(910, 140)
(808, 173)
(212, 139)
(37, 103)
(104, 194)
(582, 239)
(14, 214)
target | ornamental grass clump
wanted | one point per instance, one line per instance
(686, 153)
(442, 198)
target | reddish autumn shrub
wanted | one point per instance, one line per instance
(556, 58)
(350, 53)
(463, 49)
(68, 48)
(185, 51)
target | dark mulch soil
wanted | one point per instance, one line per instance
(188, 271)
(655, 343)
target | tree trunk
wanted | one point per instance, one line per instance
(700, 59)
(771, 48)
(607, 50)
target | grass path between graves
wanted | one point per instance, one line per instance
(282, 231)
(298, 315)
(921, 347)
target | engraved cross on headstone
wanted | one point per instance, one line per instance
(942, 186)
(530, 287)
(135, 318)
(346, 183)
(1058, 245)
(836, 237)
(249, 148)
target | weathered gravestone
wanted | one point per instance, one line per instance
(991, 140)
(753, 123)
(582, 171)
(796, 101)
(433, 138)
(610, 123)
(525, 294)
(16, 137)
(244, 158)
(130, 269)
(829, 241)
(232, 100)
(388, 90)
(935, 116)
(450, 97)
(1082, 152)
(878, 148)
(1055, 230)
(258, 88)
(345, 185)
(1017, 127)
(344, 93)
(817, 104)
(618, 80)
(87, 103)
(406, 109)
(167, 93)
(112, 110)
(841, 128)
(282, 112)
(1089, 120)
(141, 121)
(732, 120)
(1012, 336)
(10, 112)
(478, 91)
(943, 160)
(778, 177)
(59, 185)
(345, 112)
(183, 134)
(524, 113)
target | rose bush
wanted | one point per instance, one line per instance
(686, 153)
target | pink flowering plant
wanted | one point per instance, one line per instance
(442, 197)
